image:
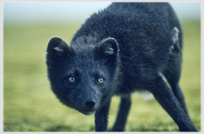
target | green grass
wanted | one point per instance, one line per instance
(30, 105)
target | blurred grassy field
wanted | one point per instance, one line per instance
(29, 104)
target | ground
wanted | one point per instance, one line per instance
(30, 105)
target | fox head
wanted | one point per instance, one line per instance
(82, 75)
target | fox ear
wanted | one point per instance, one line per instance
(107, 49)
(57, 47)
(58, 52)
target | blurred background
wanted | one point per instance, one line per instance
(72, 12)
(28, 102)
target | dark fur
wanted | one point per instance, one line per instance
(129, 46)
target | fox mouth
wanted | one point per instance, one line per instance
(88, 112)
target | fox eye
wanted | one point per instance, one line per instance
(100, 80)
(71, 79)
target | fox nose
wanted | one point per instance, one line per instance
(90, 104)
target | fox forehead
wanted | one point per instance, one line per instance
(86, 58)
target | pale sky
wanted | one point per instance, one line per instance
(72, 12)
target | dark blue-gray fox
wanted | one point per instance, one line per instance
(125, 47)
